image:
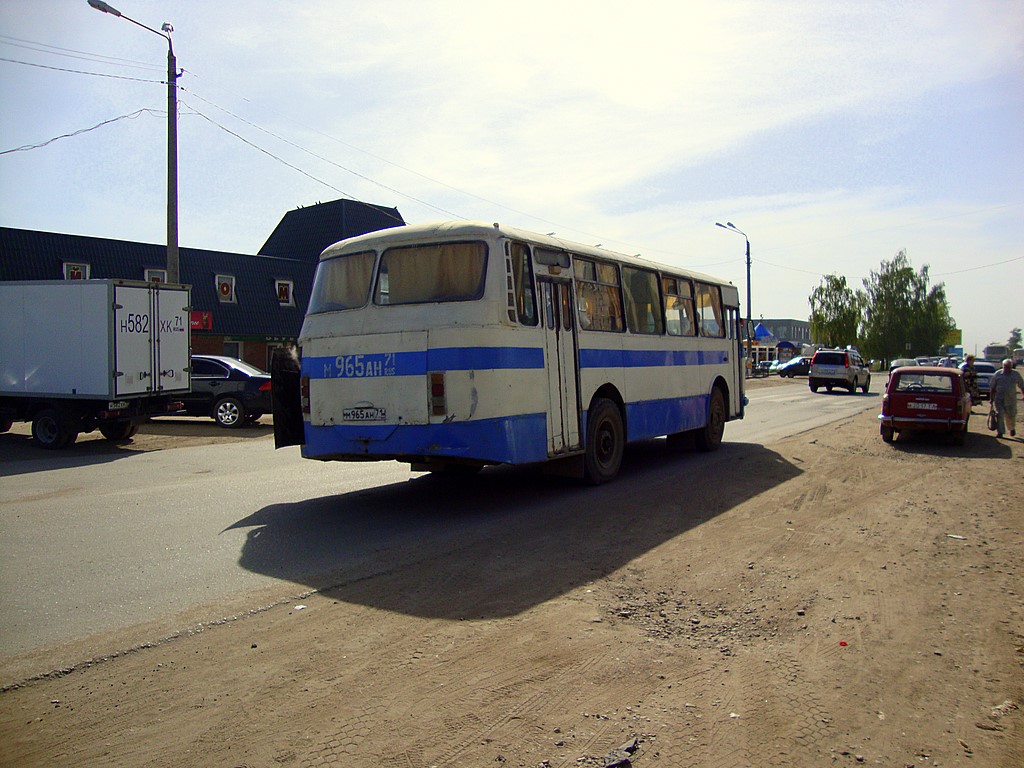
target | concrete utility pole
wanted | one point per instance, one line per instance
(732, 228)
(173, 273)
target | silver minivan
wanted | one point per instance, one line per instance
(839, 368)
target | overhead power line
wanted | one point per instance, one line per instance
(70, 53)
(79, 132)
(319, 157)
(80, 71)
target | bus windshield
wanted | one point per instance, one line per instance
(342, 283)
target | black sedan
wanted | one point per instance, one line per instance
(229, 391)
(798, 366)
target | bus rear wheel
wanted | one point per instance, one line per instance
(710, 436)
(606, 442)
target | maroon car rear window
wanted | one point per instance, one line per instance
(925, 382)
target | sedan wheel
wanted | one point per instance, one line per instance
(229, 413)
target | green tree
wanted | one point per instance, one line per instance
(835, 312)
(902, 314)
(1014, 341)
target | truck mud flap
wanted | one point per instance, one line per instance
(286, 398)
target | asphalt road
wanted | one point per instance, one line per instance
(106, 541)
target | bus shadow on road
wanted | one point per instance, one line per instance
(504, 541)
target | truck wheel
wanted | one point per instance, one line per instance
(710, 436)
(51, 430)
(229, 413)
(121, 430)
(606, 441)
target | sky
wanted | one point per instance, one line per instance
(834, 134)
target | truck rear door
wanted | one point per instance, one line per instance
(134, 334)
(151, 340)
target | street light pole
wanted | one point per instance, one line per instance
(173, 272)
(733, 228)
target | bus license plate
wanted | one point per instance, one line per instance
(363, 414)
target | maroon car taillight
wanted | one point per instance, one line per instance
(265, 387)
(304, 393)
(885, 404)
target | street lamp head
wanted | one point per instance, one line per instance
(167, 28)
(99, 5)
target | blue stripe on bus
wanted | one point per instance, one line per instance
(652, 418)
(623, 358)
(509, 440)
(417, 363)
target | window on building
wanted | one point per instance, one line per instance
(76, 271)
(226, 289)
(285, 290)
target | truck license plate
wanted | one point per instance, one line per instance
(363, 414)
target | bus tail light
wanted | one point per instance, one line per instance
(438, 406)
(304, 393)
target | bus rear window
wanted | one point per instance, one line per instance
(342, 283)
(433, 272)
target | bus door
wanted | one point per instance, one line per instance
(560, 360)
(736, 329)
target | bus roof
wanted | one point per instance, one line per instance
(463, 229)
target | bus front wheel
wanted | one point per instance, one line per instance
(606, 441)
(710, 436)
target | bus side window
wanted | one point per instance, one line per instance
(679, 318)
(597, 295)
(521, 292)
(709, 307)
(643, 305)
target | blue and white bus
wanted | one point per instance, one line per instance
(458, 345)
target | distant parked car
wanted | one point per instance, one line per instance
(227, 390)
(797, 366)
(927, 398)
(985, 371)
(901, 362)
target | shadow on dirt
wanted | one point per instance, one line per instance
(504, 541)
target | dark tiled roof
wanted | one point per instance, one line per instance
(305, 232)
(30, 255)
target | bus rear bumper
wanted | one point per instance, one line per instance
(511, 440)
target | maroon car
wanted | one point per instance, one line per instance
(926, 398)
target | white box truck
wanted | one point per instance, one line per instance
(80, 355)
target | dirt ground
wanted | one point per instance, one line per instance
(825, 600)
